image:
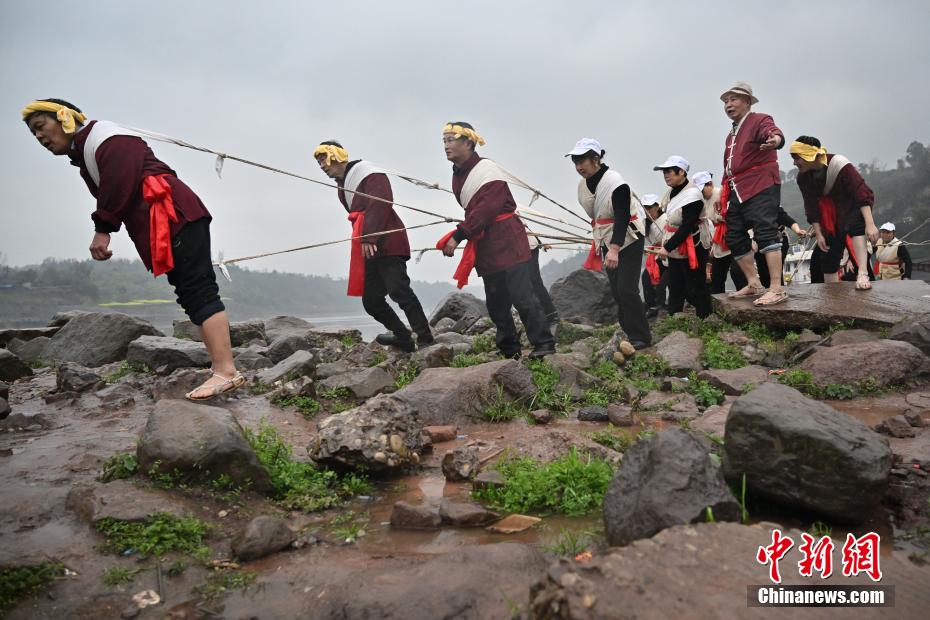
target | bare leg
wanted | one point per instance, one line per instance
(861, 254)
(831, 277)
(773, 261)
(747, 263)
(215, 334)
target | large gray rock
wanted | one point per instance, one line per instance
(681, 352)
(407, 516)
(584, 296)
(301, 363)
(279, 326)
(665, 480)
(11, 367)
(457, 306)
(805, 454)
(4, 389)
(200, 442)
(734, 381)
(30, 351)
(820, 306)
(466, 514)
(456, 396)
(915, 330)
(470, 583)
(383, 434)
(165, 354)
(572, 380)
(252, 360)
(60, 319)
(285, 346)
(851, 336)
(434, 356)
(97, 338)
(178, 383)
(460, 464)
(5, 408)
(262, 536)
(75, 378)
(362, 383)
(883, 362)
(25, 334)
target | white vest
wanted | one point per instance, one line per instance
(599, 206)
(484, 172)
(99, 133)
(887, 255)
(358, 173)
(833, 171)
(673, 214)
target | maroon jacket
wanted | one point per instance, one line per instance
(753, 170)
(378, 215)
(849, 192)
(504, 243)
(123, 162)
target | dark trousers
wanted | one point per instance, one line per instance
(759, 213)
(540, 291)
(387, 275)
(654, 294)
(816, 266)
(512, 288)
(763, 267)
(192, 277)
(720, 269)
(691, 284)
(624, 285)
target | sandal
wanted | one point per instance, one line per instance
(228, 385)
(771, 298)
(748, 291)
(862, 282)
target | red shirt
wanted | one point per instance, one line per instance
(123, 161)
(754, 170)
(849, 192)
(504, 243)
(378, 215)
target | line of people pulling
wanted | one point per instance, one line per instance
(692, 236)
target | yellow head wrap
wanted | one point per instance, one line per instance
(66, 116)
(463, 132)
(808, 152)
(332, 152)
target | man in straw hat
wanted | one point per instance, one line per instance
(497, 245)
(378, 262)
(750, 192)
(165, 219)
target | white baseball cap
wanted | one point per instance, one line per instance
(887, 226)
(649, 199)
(584, 145)
(702, 178)
(674, 161)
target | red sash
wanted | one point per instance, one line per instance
(594, 262)
(470, 252)
(356, 257)
(157, 192)
(827, 215)
(686, 248)
(652, 268)
(720, 228)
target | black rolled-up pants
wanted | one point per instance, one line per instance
(691, 284)
(192, 277)
(387, 276)
(624, 285)
(512, 287)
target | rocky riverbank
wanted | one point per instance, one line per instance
(351, 480)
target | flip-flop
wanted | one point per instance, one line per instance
(862, 283)
(776, 298)
(228, 385)
(750, 291)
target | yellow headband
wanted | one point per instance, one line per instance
(66, 116)
(332, 152)
(463, 132)
(808, 152)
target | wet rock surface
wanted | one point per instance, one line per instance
(666, 480)
(30, 351)
(165, 355)
(363, 383)
(96, 338)
(734, 382)
(456, 396)
(820, 306)
(882, 362)
(681, 352)
(458, 306)
(262, 536)
(805, 454)
(201, 442)
(296, 365)
(11, 367)
(460, 464)
(70, 377)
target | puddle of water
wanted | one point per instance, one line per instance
(872, 410)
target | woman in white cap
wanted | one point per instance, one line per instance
(892, 260)
(617, 221)
(682, 243)
(655, 275)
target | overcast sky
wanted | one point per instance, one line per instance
(269, 80)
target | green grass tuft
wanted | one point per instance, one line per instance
(19, 583)
(119, 466)
(158, 534)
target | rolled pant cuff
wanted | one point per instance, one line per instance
(771, 248)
